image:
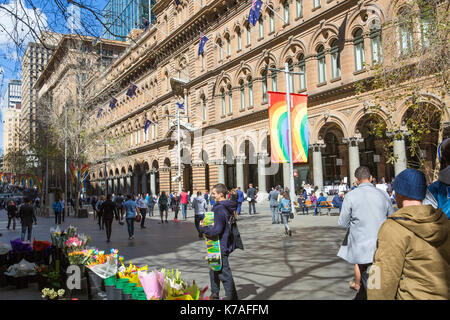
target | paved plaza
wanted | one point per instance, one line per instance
(272, 266)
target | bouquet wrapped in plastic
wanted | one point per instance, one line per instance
(58, 237)
(104, 266)
(131, 273)
(153, 284)
(40, 245)
(19, 246)
(21, 269)
(80, 257)
(4, 248)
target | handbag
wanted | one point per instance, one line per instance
(291, 215)
(138, 218)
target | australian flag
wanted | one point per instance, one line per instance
(100, 110)
(146, 24)
(253, 16)
(180, 106)
(147, 125)
(112, 103)
(131, 90)
(203, 40)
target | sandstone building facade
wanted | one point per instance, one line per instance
(224, 92)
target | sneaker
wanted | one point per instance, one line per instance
(274, 222)
(167, 221)
(290, 233)
(143, 227)
(175, 220)
(161, 222)
(108, 240)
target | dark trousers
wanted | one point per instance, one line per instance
(26, 227)
(143, 213)
(130, 225)
(13, 219)
(250, 205)
(226, 278)
(198, 218)
(108, 227)
(101, 223)
(150, 212)
(362, 293)
(57, 217)
(177, 209)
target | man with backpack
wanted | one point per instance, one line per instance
(223, 210)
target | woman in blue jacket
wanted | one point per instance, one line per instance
(285, 209)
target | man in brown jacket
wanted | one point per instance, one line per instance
(412, 260)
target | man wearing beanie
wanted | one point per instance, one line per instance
(412, 260)
(363, 211)
(438, 193)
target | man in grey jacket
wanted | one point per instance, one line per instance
(273, 201)
(200, 207)
(363, 211)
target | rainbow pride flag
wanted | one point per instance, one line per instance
(278, 127)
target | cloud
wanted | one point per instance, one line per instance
(16, 24)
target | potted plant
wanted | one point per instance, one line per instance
(51, 294)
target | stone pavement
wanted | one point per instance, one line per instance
(272, 266)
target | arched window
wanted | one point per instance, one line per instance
(249, 35)
(202, 56)
(358, 44)
(321, 64)
(167, 82)
(375, 46)
(299, 8)
(335, 60)
(153, 130)
(250, 92)
(426, 17)
(286, 12)
(316, 3)
(274, 79)
(230, 99)
(228, 45)
(261, 27)
(204, 109)
(264, 86)
(239, 39)
(224, 106)
(405, 31)
(291, 76)
(271, 21)
(302, 70)
(242, 92)
(219, 44)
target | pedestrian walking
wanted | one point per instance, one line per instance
(98, 205)
(94, 206)
(119, 206)
(438, 193)
(57, 209)
(240, 199)
(184, 203)
(129, 210)
(27, 217)
(313, 199)
(273, 202)
(163, 206)
(176, 206)
(143, 207)
(200, 207)
(223, 210)
(363, 211)
(63, 205)
(12, 214)
(108, 210)
(412, 259)
(285, 209)
(151, 205)
(251, 198)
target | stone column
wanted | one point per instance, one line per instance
(240, 171)
(198, 177)
(317, 164)
(399, 152)
(221, 171)
(136, 183)
(122, 185)
(262, 187)
(353, 155)
(152, 182)
(144, 182)
(129, 184)
(286, 175)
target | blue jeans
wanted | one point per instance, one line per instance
(184, 210)
(275, 215)
(250, 205)
(24, 231)
(198, 218)
(239, 207)
(285, 218)
(130, 225)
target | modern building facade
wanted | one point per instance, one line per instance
(12, 94)
(33, 62)
(122, 16)
(224, 92)
(11, 110)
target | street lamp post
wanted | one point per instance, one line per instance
(289, 135)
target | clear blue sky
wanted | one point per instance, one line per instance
(11, 52)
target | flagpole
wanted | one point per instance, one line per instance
(289, 137)
(268, 7)
(179, 151)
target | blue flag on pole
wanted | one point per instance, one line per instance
(177, 2)
(146, 24)
(112, 103)
(253, 16)
(131, 90)
(203, 40)
(100, 110)
(180, 106)
(147, 125)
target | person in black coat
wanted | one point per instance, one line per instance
(251, 194)
(12, 211)
(27, 217)
(108, 210)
